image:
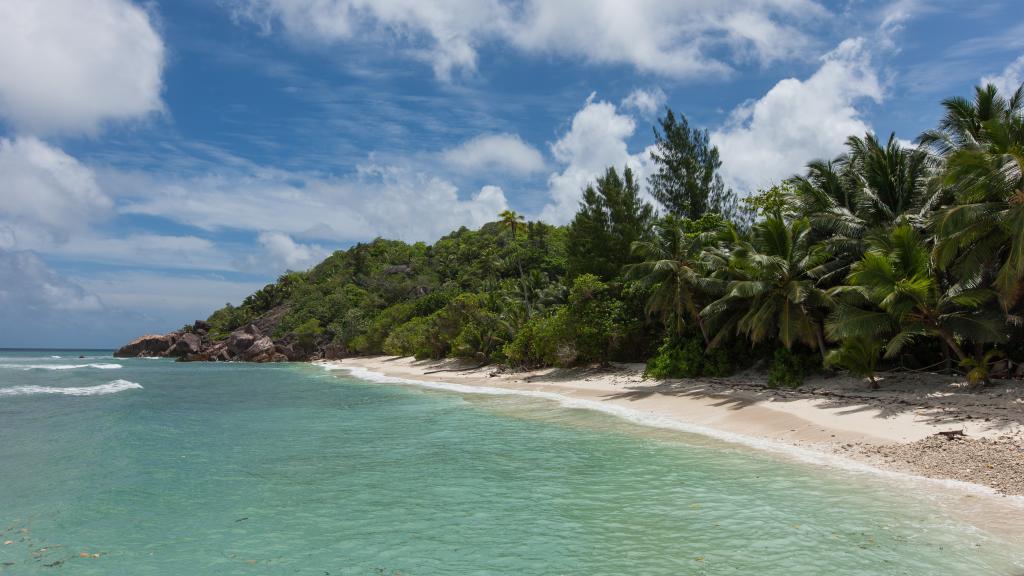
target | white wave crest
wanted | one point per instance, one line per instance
(98, 366)
(99, 390)
(660, 421)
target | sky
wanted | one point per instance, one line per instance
(159, 159)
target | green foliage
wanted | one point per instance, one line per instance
(308, 333)
(859, 356)
(687, 358)
(542, 341)
(888, 254)
(584, 331)
(610, 219)
(978, 369)
(687, 182)
(789, 368)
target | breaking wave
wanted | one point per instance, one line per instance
(99, 390)
(99, 366)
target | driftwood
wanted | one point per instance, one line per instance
(950, 434)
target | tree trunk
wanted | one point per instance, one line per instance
(951, 342)
(820, 333)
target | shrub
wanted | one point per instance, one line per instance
(687, 358)
(542, 341)
(410, 339)
(790, 368)
(308, 333)
(857, 355)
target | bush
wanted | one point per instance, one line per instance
(410, 339)
(790, 368)
(542, 341)
(687, 358)
(308, 333)
(859, 356)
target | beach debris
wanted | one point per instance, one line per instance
(8, 542)
(84, 555)
(951, 434)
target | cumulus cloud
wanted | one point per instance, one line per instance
(31, 288)
(47, 193)
(595, 141)
(1009, 79)
(287, 254)
(771, 138)
(647, 103)
(678, 39)
(506, 153)
(69, 65)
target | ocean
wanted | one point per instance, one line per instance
(147, 466)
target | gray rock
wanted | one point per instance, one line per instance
(186, 344)
(261, 350)
(242, 339)
(148, 345)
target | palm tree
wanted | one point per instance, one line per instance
(672, 268)
(894, 292)
(772, 289)
(861, 191)
(859, 356)
(982, 143)
(510, 219)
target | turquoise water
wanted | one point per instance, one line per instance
(190, 469)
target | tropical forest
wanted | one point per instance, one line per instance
(896, 254)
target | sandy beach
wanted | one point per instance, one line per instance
(894, 429)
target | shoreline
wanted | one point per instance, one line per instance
(836, 423)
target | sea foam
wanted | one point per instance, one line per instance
(111, 387)
(98, 366)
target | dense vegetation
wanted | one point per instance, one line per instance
(886, 256)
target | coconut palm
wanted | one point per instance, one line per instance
(672, 268)
(772, 291)
(982, 142)
(510, 219)
(859, 356)
(862, 191)
(894, 292)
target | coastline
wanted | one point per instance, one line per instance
(834, 421)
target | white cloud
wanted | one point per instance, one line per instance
(678, 39)
(68, 65)
(379, 200)
(647, 103)
(505, 153)
(1009, 79)
(442, 32)
(774, 137)
(595, 141)
(30, 288)
(48, 195)
(287, 254)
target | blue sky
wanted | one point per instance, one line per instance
(158, 159)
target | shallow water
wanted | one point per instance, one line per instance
(167, 468)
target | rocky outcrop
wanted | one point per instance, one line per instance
(249, 343)
(240, 340)
(186, 344)
(148, 345)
